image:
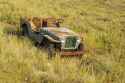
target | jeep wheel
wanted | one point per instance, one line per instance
(51, 51)
(81, 48)
(24, 30)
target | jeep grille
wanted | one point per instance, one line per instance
(70, 42)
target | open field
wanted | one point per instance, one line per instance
(101, 24)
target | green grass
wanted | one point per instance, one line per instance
(101, 24)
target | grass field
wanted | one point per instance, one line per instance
(101, 24)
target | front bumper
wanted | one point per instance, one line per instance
(78, 52)
(72, 53)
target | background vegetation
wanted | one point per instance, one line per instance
(101, 24)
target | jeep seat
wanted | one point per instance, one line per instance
(52, 22)
(36, 23)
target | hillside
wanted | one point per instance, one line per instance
(101, 24)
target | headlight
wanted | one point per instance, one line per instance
(79, 40)
(63, 41)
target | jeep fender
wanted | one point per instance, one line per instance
(51, 39)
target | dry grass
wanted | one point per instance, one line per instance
(101, 23)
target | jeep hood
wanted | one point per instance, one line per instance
(60, 32)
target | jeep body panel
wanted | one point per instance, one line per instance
(61, 32)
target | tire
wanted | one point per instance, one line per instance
(51, 51)
(81, 47)
(25, 31)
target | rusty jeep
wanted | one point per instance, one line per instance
(47, 32)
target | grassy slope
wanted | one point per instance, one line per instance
(100, 22)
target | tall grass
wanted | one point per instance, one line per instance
(100, 24)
